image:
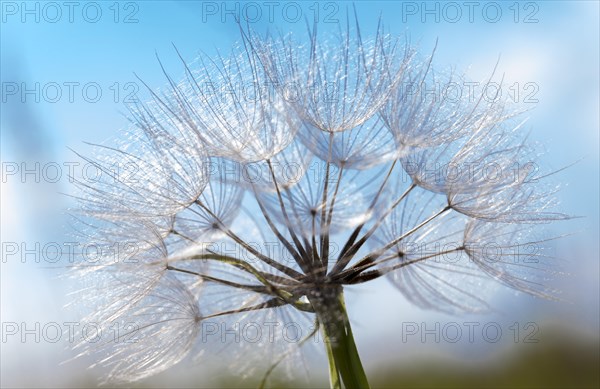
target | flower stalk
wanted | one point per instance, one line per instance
(342, 354)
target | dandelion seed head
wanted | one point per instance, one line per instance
(251, 204)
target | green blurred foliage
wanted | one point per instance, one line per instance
(560, 359)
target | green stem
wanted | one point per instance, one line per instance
(342, 353)
(334, 375)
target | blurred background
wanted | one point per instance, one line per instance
(67, 69)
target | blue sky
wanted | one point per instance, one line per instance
(548, 52)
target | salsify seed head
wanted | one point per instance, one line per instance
(245, 200)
